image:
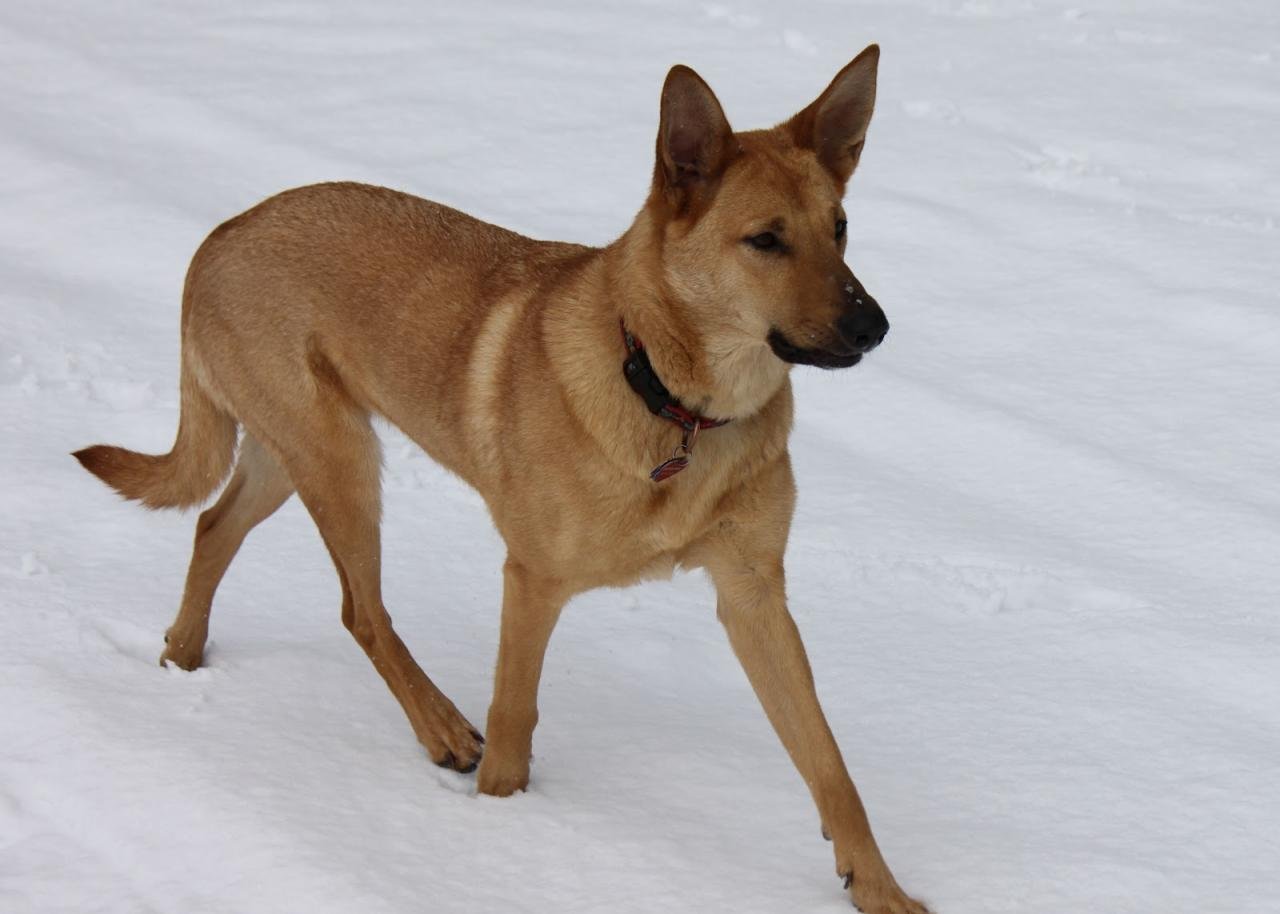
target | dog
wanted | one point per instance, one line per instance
(624, 411)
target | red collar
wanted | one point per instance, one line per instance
(640, 375)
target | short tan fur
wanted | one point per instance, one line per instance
(501, 356)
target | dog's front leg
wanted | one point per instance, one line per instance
(752, 607)
(744, 558)
(530, 607)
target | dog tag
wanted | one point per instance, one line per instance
(668, 468)
(679, 458)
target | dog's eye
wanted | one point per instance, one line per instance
(841, 225)
(765, 241)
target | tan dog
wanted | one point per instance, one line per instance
(503, 358)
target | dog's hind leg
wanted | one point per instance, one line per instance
(335, 462)
(530, 607)
(257, 488)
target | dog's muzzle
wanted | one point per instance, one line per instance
(860, 328)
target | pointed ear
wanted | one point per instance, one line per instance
(695, 141)
(835, 125)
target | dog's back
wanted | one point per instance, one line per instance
(300, 291)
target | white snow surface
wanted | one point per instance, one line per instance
(1036, 557)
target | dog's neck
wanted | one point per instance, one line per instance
(721, 376)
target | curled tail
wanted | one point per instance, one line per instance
(185, 476)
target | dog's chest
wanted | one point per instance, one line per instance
(594, 522)
(633, 535)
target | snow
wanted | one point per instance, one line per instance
(1035, 556)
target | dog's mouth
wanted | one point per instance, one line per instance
(784, 349)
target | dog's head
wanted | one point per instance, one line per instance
(752, 228)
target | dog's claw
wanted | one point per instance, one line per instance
(848, 880)
(460, 764)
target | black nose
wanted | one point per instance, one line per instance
(863, 324)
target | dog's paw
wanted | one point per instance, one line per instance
(456, 745)
(499, 778)
(182, 651)
(881, 896)
(449, 738)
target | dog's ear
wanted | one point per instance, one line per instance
(835, 125)
(695, 141)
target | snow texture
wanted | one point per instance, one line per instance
(1036, 552)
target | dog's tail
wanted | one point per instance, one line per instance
(185, 476)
